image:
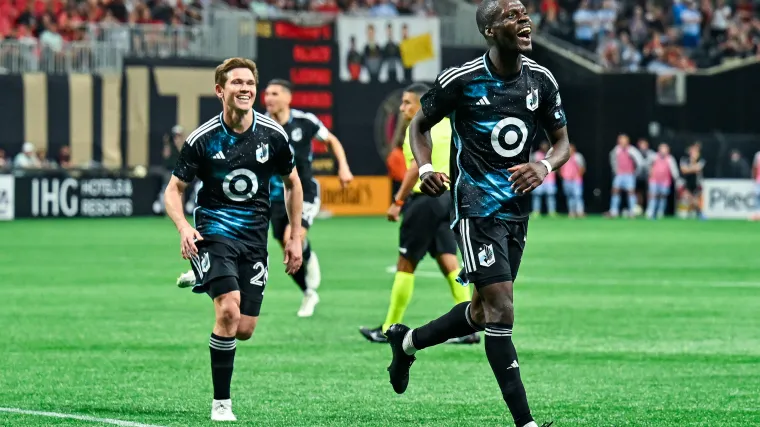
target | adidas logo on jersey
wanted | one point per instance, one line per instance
(219, 156)
(483, 101)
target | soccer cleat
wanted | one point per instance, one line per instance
(309, 301)
(473, 338)
(373, 335)
(221, 410)
(186, 279)
(313, 275)
(549, 424)
(399, 367)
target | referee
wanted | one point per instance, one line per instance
(425, 225)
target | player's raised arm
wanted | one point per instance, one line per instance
(437, 103)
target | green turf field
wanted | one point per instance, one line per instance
(619, 323)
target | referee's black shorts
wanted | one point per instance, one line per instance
(425, 227)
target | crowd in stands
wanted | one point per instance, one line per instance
(32, 158)
(379, 8)
(656, 36)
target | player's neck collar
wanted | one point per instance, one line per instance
(229, 131)
(491, 68)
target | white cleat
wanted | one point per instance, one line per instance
(221, 410)
(186, 279)
(309, 301)
(313, 275)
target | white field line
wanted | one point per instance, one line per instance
(75, 417)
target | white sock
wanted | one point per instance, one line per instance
(531, 424)
(407, 343)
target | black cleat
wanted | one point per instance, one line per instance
(399, 367)
(549, 424)
(373, 335)
(473, 338)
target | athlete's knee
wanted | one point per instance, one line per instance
(477, 314)
(245, 328)
(228, 310)
(448, 263)
(497, 302)
(405, 265)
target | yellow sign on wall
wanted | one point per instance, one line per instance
(366, 195)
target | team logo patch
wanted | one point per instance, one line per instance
(262, 153)
(486, 257)
(531, 101)
(296, 135)
(205, 263)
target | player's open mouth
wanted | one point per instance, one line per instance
(244, 98)
(524, 33)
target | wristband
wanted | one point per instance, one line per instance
(398, 202)
(426, 168)
(547, 164)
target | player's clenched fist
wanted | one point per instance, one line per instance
(188, 236)
(527, 176)
(434, 183)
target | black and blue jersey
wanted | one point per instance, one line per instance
(235, 170)
(302, 128)
(494, 122)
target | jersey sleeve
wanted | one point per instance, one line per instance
(320, 131)
(284, 157)
(188, 161)
(441, 99)
(551, 111)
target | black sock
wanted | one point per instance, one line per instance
(454, 324)
(502, 357)
(222, 361)
(306, 251)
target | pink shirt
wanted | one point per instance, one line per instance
(552, 177)
(663, 170)
(571, 170)
(625, 164)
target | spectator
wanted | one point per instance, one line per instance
(64, 157)
(586, 24)
(27, 158)
(738, 167)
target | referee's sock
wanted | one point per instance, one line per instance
(401, 294)
(460, 293)
(502, 357)
(454, 324)
(222, 361)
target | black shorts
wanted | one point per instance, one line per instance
(425, 227)
(279, 215)
(220, 258)
(491, 249)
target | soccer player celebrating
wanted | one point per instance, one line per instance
(302, 128)
(662, 172)
(234, 155)
(425, 226)
(572, 182)
(496, 103)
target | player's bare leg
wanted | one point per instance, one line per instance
(222, 346)
(307, 280)
(449, 266)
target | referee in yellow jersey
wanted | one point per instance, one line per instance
(425, 225)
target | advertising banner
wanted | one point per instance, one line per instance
(6, 197)
(68, 197)
(729, 198)
(403, 49)
(366, 195)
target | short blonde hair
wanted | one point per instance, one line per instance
(229, 64)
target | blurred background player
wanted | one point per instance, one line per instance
(302, 128)
(235, 154)
(756, 175)
(572, 183)
(642, 173)
(624, 160)
(692, 166)
(548, 188)
(425, 226)
(497, 104)
(662, 172)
